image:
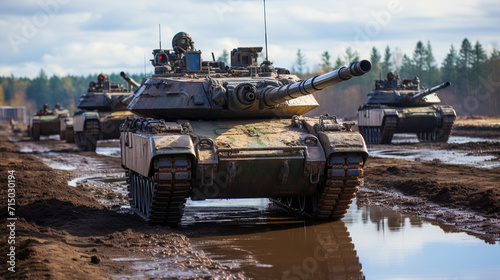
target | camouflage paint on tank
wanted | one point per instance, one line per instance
(214, 131)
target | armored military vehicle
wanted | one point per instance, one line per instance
(102, 109)
(46, 121)
(396, 106)
(213, 131)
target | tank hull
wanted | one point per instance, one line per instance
(431, 123)
(46, 125)
(243, 159)
(89, 127)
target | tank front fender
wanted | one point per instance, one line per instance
(374, 117)
(79, 119)
(343, 142)
(139, 150)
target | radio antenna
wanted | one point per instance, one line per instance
(265, 28)
(159, 34)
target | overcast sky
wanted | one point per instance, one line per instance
(82, 37)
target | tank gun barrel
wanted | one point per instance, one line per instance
(129, 80)
(424, 93)
(275, 95)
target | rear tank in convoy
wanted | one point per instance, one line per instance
(396, 106)
(46, 122)
(102, 109)
(213, 131)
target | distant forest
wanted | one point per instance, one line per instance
(474, 75)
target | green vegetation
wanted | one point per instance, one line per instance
(40, 90)
(474, 77)
(473, 73)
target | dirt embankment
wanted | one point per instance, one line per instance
(477, 126)
(61, 232)
(463, 196)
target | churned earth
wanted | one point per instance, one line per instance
(65, 232)
(73, 223)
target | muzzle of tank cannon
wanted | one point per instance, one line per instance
(272, 96)
(424, 93)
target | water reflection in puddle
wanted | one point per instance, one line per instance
(450, 157)
(399, 246)
(109, 151)
(372, 241)
(401, 138)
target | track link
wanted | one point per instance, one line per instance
(389, 128)
(440, 134)
(333, 197)
(160, 199)
(342, 260)
(87, 139)
(380, 134)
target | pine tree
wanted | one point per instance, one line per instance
(464, 64)
(387, 65)
(375, 58)
(300, 62)
(338, 63)
(224, 56)
(478, 66)
(326, 66)
(449, 68)
(432, 76)
(419, 59)
(351, 55)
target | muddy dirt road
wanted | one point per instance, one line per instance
(72, 219)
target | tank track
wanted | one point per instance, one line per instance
(390, 125)
(36, 131)
(342, 260)
(441, 134)
(343, 177)
(448, 122)
(160, 199)
(380, 134)
(87, 140)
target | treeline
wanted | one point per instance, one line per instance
(33, 93)
(474, 77)
(473, 73)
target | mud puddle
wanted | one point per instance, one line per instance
(372, 241)
(449, 157)
(407, 138)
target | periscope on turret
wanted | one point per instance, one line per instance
(216, 131)
(396, 106)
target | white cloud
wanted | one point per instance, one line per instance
(104, 30)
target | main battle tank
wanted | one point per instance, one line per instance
(213, 131)
(103, 109)
(396, 106)
(46, 121)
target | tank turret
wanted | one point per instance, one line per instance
(185, 86)
(405, 106)
(104, 95)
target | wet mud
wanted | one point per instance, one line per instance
(74, 221)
